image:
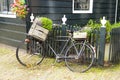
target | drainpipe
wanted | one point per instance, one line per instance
(116, 11)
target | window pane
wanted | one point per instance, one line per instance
(10, 2)
(82, 6)
(5, 6)
(5, 9)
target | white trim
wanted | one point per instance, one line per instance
(83, 11)
(8, 15)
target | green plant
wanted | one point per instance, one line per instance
(108, 30)
(46, 23)
(116, 25)
(93, 24)
(96, 25)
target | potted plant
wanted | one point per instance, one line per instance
(20, 8)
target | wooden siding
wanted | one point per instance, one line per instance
(55, 9)
(11, 34)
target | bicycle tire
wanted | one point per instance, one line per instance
(30, 53)
(80, 63)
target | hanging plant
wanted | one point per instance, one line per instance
(20, 8)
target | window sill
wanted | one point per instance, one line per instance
(8, 15)
(77, 11)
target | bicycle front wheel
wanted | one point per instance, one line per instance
(79, 58)
(30, 53)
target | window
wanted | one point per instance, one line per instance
(5, 9)
(82, 6)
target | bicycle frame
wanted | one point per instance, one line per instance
(65, 45)
(82, 48)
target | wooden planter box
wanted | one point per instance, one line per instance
(37, 31)
(79, 35)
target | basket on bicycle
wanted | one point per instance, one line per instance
(37, 30)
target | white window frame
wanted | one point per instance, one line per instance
(7, 14)
(90, 10)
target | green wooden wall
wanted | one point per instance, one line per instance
(55, 9)
(11, 33)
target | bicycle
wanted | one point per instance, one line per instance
(78, 56)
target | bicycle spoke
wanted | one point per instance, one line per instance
(79, 62)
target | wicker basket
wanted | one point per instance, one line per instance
(37, 31)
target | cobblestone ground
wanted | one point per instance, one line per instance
(10, 69)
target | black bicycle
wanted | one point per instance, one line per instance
(77, 54)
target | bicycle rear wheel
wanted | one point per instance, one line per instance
(82, 62)
(30, 53)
